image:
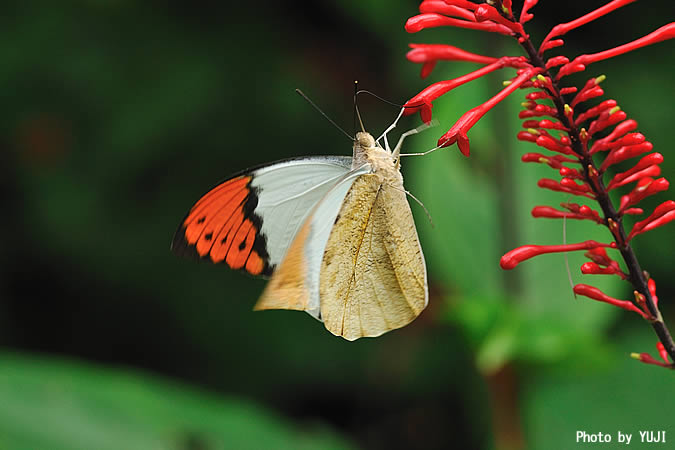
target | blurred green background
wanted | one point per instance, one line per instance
(117, 115)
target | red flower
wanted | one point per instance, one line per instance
(575, 146)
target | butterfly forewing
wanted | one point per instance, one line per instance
(249, 220)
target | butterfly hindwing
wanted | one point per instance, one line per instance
(373, 275)
(249, 220)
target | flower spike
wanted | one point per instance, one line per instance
(580, 138)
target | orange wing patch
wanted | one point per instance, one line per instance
(223, 227)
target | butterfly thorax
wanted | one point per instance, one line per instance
(367, 151)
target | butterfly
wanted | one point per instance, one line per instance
(334, 234)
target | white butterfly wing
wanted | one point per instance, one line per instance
(288, 191)
(250, 220)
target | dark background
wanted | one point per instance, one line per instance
(117, 115)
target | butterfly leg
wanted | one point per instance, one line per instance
(391, 127)
(397, 149)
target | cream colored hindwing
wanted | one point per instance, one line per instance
(373, 276)
(287, 289)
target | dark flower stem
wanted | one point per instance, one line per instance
(636, 275)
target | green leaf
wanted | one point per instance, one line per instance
(56, 404)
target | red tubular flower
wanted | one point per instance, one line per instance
(662, 214)
(591, 268)
(423, 101)
(556, 61)
(486, 12)
(552, 44)
(516, 256)
(429, 54)
(571, 184)
(527, 136)
(547, 183)
(555, 162)
(586, 95)
(433, 20)
(551, 125)
(597, 294)
(651, 285)
(538, 111)
(599, 256)
(462, 4)
(563, 28)
(606, 144)
(537, 95)
(663, 33)
(623, 153)
(647, 359)
(619, 130)
(458, 131)
(441, 7)
(647, 167)
(662, 352)
(594, 111)
(568, 172)
(525, 16)
(575, 148)
(506, 7)
(550, 144)
(645, 187)
(606, 119)
(552, 213)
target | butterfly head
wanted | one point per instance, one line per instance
(364, 140)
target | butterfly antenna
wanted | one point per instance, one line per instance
(356, 84)
(356, 106)
(362, 91)
(302, 94)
